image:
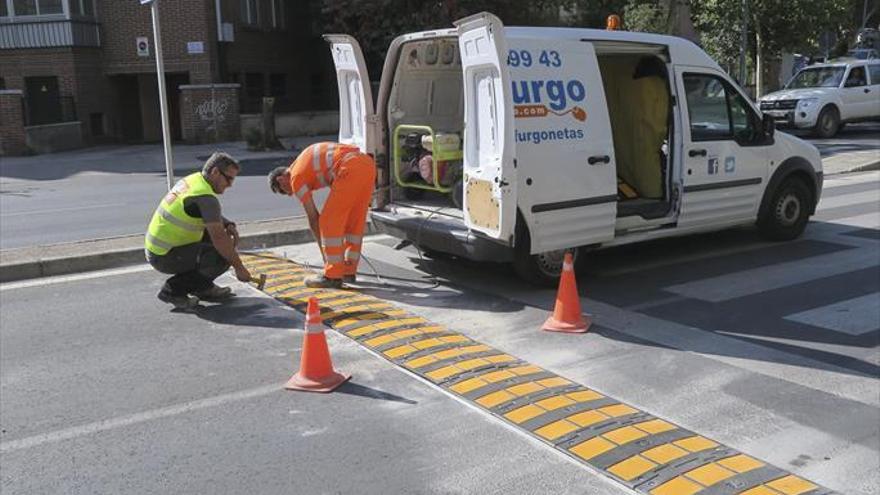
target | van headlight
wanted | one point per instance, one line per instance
(807, 103)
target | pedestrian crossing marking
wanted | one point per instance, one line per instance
(855, 316)
(465, 367)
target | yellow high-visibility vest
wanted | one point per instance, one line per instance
(170, 226)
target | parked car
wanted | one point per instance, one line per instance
(570, 139)
(825, 97)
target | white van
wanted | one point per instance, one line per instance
(566, 139)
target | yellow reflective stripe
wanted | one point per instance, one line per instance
(167, 216)
(158, 242)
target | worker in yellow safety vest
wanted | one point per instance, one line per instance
(191, 240)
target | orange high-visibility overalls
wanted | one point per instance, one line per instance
(351, 176)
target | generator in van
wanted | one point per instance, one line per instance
(515, 144)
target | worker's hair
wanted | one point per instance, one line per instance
(273, 175)
(220, 160)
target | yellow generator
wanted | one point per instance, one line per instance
(427, 161)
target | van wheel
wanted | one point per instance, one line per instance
(828, 123)
(788, 212)
(541, 269)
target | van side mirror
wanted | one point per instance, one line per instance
(768, 125)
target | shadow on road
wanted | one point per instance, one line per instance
(352, 388)
(252, 312)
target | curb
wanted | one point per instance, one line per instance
(133, 253)
(865, 168)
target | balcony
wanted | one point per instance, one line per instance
(49, 33)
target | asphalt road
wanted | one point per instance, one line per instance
(769, 348)
(44, 200)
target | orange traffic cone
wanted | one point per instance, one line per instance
(567, 315)
(316, 373)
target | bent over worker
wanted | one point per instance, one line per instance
(189, 238)
(339, 228)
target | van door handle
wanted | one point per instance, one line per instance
(596, 159)
(693, 153)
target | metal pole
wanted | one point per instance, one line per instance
(163, 101)
(743, 44)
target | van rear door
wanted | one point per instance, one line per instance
(356, 112)
(490, 180)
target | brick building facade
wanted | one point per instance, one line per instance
(80, 61)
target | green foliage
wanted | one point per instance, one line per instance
(375, 23)
(785, 25)
(646, 16)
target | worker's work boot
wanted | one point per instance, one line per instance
(184, 302)
(322, 282)
(349, 279)
(215, 293)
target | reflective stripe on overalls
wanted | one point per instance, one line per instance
(170, 225)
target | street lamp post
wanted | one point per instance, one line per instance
(163, 101)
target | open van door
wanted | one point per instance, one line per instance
(489, 173)
(356, 112)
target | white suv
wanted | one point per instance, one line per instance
(825, 97)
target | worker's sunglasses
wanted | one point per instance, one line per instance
(228, 178)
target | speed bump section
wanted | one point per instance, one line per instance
(644, 452)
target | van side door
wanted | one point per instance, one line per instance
(725, 152)
(568, 184)
(357, 120)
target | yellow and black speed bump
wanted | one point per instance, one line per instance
(644, 452)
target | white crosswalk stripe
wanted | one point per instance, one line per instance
(854, 316)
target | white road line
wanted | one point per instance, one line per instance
(848, 179)
(853, 316)
(133, 419)
(39, 282)
(60, 210)
(867, 197)
(757, 280)
(868, 220)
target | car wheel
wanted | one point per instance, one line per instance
(786, 216)
(541, 269)
(828, 123)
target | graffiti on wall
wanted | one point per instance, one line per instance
(212, 112)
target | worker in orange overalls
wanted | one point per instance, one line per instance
(339, 229)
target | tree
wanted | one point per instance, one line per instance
(375, 23)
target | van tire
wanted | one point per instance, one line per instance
(541, 269)
(788, 212)
(828, 123)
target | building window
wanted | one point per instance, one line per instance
(4, 10)
(278, 21)
(37, 7)
(83, 7)
(250, 15)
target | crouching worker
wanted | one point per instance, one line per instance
(189, 238)
(339, 228)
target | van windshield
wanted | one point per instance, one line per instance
(819, 77)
